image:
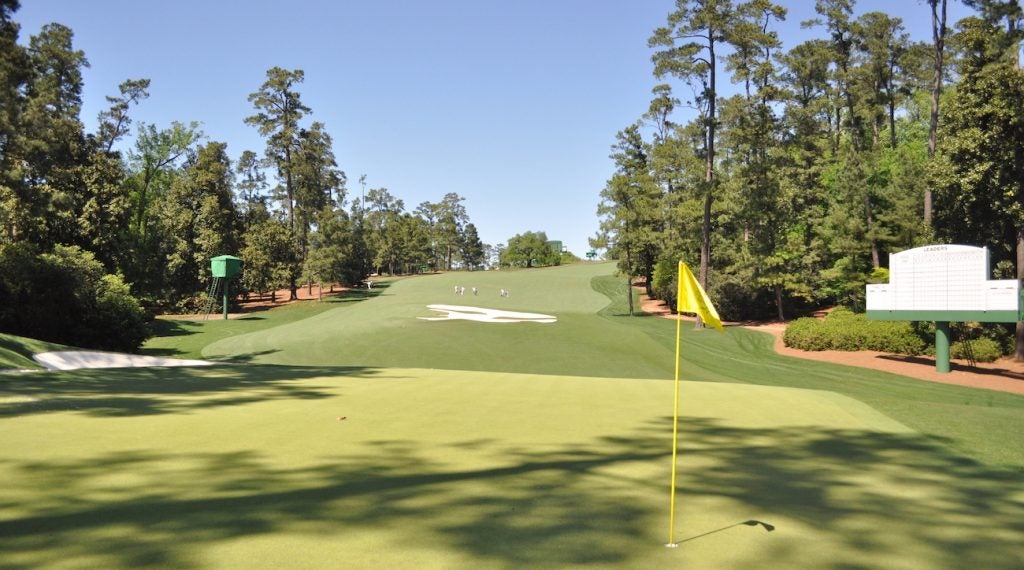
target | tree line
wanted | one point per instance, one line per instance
(119, 227)
(789, 191)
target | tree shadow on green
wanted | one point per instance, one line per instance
(877, 495)
(187, 338)
(148, 391)
(168, 327)
(868, 496)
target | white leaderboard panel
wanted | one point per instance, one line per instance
(943, 278)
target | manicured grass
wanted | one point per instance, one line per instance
(981, 424)
(450, 456)
(16, 352)
(185, 338)
(385, 331)
(248, 466)
(594, 336)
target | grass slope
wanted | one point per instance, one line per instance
(385, 331)
(248, 466)
(593, 337)
(16, 352)
(187, 338)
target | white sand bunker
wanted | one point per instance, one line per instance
(73, 360)
(458, 312)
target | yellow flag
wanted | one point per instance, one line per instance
(693, 299)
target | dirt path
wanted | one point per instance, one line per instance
(257, 303)
(1004, 375)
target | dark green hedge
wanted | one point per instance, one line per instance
(65, 296)
(843, 329)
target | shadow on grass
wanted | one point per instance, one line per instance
(167, 327)
(149, 391)
(207, 330)
(752, 522)
(930, 361)
(353, 295)
(841, 499)
(247, 357)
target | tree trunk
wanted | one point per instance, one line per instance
(629, 282)
(1018, 353)
(629, 293)
(778, 303)
(892, 125)
(147, 179)
(289, 191)
(870, 222)
(939, 37)
(709, 176)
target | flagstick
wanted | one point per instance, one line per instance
(675, 440)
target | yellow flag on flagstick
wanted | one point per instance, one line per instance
(692, 299)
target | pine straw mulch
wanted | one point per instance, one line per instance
(1004, 375)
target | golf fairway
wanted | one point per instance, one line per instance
(358, 435)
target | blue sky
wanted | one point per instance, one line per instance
(513, 105)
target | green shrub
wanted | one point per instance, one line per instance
(1003, 335)
(665, 282)
(66, 297)
(983, 350)
(806, 334)
(845, 330)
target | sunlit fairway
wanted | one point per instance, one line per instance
(354, 434)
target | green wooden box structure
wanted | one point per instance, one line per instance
(944, 283)
(223, 268)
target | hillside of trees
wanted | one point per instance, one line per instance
(98, 230)
(796, 172)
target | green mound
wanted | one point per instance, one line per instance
(16, 352)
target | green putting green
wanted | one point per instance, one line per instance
(252, 467)
(353, 433)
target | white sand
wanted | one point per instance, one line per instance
(486, 315)
(73, 360)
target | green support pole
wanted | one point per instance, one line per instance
(227, 283)
(942, 346)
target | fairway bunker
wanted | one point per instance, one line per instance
(75, 359)
(459, 312)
